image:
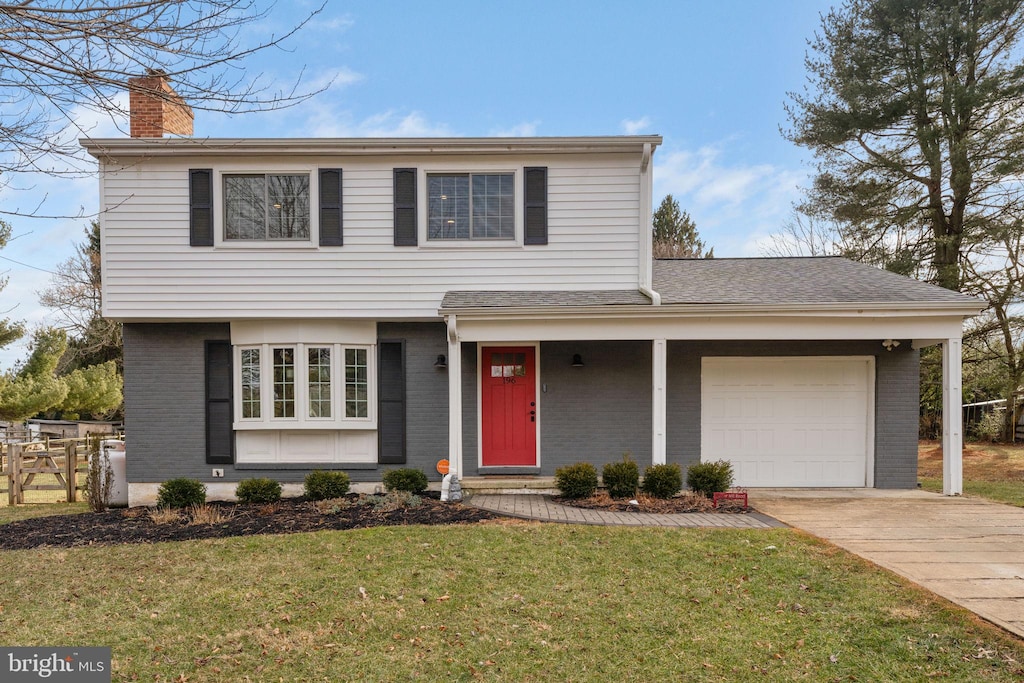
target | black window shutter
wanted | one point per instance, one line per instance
(391, 409)
(200, 199)
(405, 207)
(220, 439)
(535, 201)
(330, 207)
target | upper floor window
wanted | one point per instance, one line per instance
(471, 206)
(265, 206)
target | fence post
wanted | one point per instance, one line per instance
(14, 475)
(71, 471)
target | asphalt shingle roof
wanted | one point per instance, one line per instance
(799, 280)
(740, 281)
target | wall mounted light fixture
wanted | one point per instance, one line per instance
(890, 344)
(577, 360)
(441, 363)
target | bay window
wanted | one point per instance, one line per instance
(304, 388)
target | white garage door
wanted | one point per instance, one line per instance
(789, 421)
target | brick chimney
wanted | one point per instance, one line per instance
(155, 107)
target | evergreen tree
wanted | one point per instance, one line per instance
(675, 233)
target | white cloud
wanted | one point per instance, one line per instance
(736, 206)
(332, 24)
(108, 123)
(635, 127)
(324, 120)
(525, 129)
(336, 78)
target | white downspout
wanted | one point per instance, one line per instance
(645, 238)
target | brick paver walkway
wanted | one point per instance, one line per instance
(544, 509)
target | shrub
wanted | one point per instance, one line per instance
(621, 478)
(405, 479)
(393, 500)
(662, 481)
(577, 481)
(260, 490)
(709, 477)
(989, 427)
(180, 493)
(320, 485)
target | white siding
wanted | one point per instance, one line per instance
(151, 272)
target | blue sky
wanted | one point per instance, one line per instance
(710, 77)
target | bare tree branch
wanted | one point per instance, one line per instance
(61, 59)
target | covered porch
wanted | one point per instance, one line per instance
(615, 372)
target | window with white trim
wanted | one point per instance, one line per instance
(319, 381)
(266, 206)
(304, 388)
(471, 206)
(250, 395)
(356, 383)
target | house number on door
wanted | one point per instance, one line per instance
(510, 380)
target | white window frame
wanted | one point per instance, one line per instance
(302, 420)
(220, 215)
(423, 207)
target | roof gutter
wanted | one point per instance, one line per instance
(149, 147)
(914, 309)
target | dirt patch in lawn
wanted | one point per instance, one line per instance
(982, 461)
(219, 520)
(684, 502)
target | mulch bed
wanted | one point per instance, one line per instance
(684, 502)
(136, 525)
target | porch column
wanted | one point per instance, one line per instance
(454, 399)
(952, 418)
(658, 404)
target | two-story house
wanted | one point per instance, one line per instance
(360, 304)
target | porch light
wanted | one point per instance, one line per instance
(890, 344)
(441, 363)
(577, 360)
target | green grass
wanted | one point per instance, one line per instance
(991, 470)
(514, 602)
(1009, 492)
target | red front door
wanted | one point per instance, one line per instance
(509, 405)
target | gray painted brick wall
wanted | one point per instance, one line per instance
(426, 393)
(896, 398)
(165, 410)
(470, 456)
(165, 399)
(599, 411)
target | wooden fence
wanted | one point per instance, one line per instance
(65, 459)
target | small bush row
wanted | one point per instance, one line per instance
(318, 485)
(622, 479)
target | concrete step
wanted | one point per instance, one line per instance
(528, 485)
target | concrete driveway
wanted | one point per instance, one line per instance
(966, 550)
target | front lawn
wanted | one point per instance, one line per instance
(992, 471)
(496, 601)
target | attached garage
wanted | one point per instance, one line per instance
(790, 422)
